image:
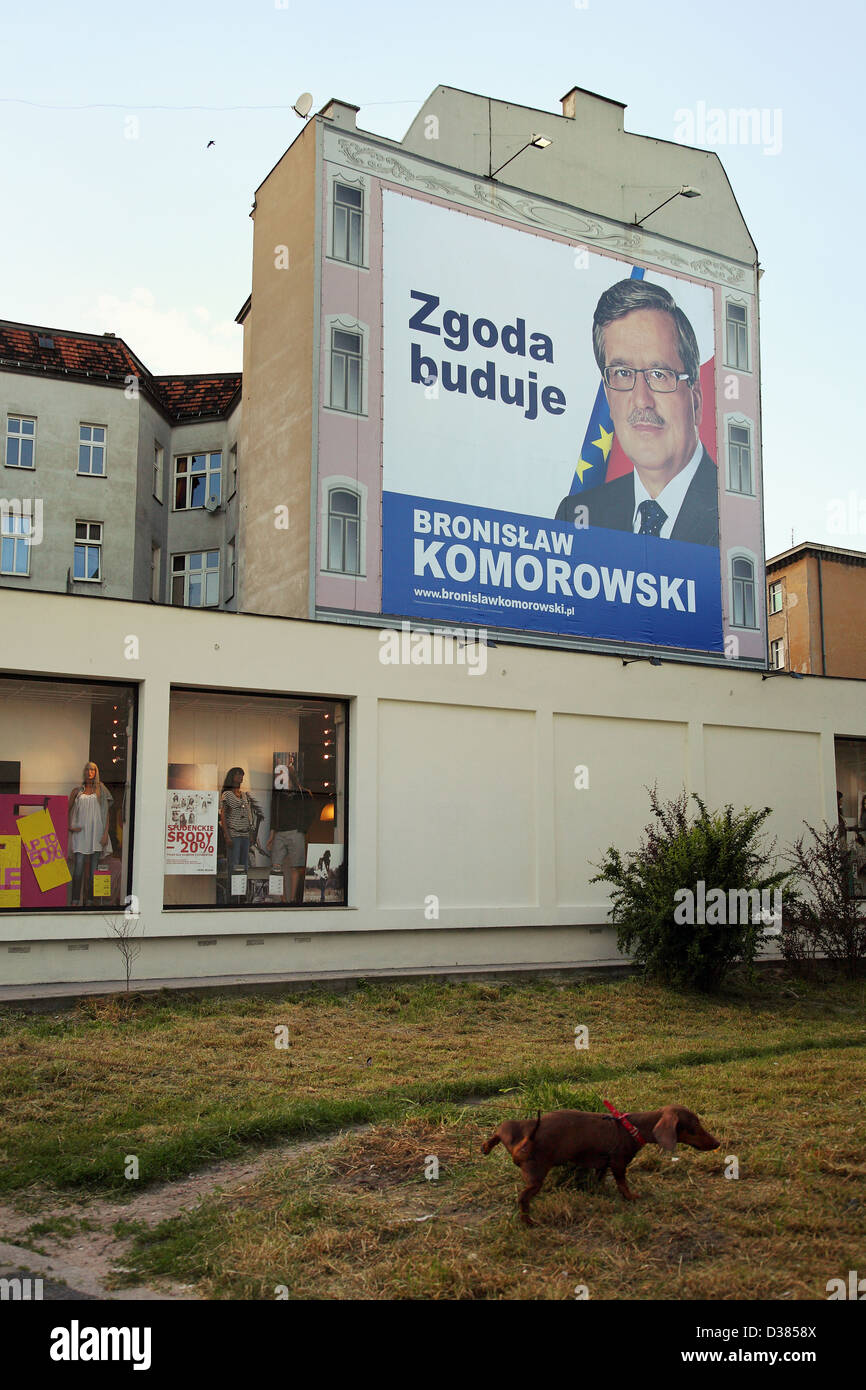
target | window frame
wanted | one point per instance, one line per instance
(345, 520)
(347, 357)
(343, 483)
(159, 472)
(775, 588)
(777, 642)
(88, 543)
(189, 572)
(733, 581)
(233, 471)
(155, 571)
(189, 475)
(332, 790)
(352, 216)
(740, 422)
(733, 359)
(125, 809)
(90, 445)
(11, 530)
(230, 568)
(20, 439)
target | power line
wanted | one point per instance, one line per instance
(138, 106)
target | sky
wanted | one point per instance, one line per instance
(117, 217)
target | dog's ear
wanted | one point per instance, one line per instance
(665, 1132)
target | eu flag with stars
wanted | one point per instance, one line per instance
(591, 468)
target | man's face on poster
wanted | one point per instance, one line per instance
(657, 430)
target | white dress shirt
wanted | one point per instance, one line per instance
(671, 497)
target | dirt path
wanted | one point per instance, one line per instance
(86, 1259)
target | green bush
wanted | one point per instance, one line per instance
(677, 852)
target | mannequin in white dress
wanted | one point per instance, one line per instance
(89, 808)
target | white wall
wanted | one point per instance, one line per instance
(461, 787)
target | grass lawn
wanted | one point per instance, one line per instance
(775, 1070)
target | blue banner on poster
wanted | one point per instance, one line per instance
(451, 563)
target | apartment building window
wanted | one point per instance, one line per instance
(743, 592)
(91, 450)
(233, 470)
(776, 597)
(740, 459)
(87, 558)
(343, 531)
(158, 480)
(346, 357)
(737, 336)
(777, 654)
(230, 569)
(195, 579)
(348, 224)
(197, 481)
(20, 441)
(15, 533)
(155, 571)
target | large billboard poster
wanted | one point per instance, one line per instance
(549, 451)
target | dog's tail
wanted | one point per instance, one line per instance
(522, 1151)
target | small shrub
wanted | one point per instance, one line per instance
(822, 917)
(677, 852)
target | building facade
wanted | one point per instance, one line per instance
(116, 482)
(360, 243)
(469, 802)
(816, 599)
(444, 691)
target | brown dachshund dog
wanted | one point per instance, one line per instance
(590, 1140)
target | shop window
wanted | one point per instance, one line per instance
(851, 782)
(20, 442)
(197, 481)
(91, 450)
(256, 801)
(66, 770)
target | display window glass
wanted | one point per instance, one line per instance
(66, 776)
(255, 801)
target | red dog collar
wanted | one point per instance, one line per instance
(633, 1131)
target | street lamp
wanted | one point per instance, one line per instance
(538, 142)
(685, 192)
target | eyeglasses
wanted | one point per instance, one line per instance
(657, 378)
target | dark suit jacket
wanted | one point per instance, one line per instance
(612, 505)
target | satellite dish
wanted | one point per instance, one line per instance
(303, 105)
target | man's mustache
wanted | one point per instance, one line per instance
(645, 416)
